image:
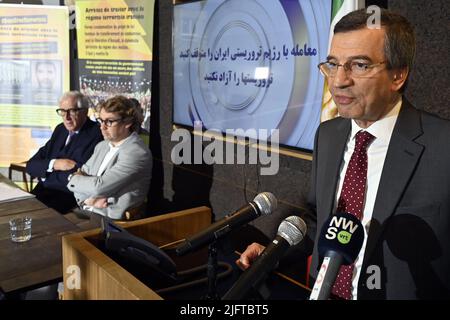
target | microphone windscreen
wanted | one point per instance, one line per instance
(292, 229)
(342, 233)
(266, 202)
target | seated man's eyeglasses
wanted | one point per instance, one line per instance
(354, 68)
(107, 122)
(73, 112)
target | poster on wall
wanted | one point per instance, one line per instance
(115, 50)
(34, 72)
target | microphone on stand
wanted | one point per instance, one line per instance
(290, 232)
(263, 204)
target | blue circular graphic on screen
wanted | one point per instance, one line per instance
(242, 81)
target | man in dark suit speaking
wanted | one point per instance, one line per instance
(69, 147)
(383, 161)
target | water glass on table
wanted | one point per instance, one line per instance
(20, 229)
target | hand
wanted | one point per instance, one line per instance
(97, 202)
(101, 203)
(64, 164)
(252, 252)
(80, 173)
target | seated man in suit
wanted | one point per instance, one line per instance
(117, 176)
(69, 147)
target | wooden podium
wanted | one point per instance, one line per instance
(101, 278)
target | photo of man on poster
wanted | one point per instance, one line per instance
(46, 74)
(46, 81)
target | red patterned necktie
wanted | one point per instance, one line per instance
(351, 200)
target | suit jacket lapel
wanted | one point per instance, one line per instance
(333, 159)
(82, 134)
(123, 148)
(71, 141)
(401, 160)
(112, 161)
(99, 158)
(62, 137)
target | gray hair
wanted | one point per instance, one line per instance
(81, 100)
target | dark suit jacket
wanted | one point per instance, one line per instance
(79, 149)
(409, 236)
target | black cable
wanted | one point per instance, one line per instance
(223, 274)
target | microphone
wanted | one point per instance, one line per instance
(339, 243)
(290, 232)
(263, 204)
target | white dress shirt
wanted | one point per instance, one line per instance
(112, 151)
(376, 154)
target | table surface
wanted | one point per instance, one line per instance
(38, 261)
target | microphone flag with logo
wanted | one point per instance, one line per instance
(339, 243)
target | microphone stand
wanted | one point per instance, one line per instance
(212, 268)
